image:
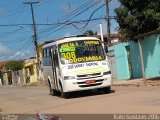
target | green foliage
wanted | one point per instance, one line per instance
(14, 65)
(90, 32)
(138, 16)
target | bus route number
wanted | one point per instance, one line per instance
(69, 55)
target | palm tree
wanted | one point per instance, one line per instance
(90, 32)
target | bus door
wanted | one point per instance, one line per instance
(54, 59)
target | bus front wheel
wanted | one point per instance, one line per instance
(64, 95)
(105, 89)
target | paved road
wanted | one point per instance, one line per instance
(121, 100)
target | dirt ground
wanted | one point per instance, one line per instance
(122, 99)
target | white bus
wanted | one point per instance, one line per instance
(76, 64)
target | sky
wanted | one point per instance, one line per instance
(16, 31)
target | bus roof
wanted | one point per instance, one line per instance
(69, 39)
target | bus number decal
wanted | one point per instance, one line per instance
(69, 55)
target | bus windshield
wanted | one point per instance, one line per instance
(81, 51)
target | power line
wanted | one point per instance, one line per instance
(11, 54)
(80, 12)
(65, 24)
(69, 23)
(11, 20)
(77, 10)
(24, 48)
(88, 7)
(50, 24)
(11, 32)
(57, 26)
(91, 16)
(65, 19)
(13, 12)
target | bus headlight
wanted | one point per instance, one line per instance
(68, 77)
(107, 73)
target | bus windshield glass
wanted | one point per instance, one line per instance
(81, 51)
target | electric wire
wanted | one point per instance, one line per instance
(49, 30)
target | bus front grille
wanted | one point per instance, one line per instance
(86, 76)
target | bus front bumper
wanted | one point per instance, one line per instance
(87, 84)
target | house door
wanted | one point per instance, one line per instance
(10, 78)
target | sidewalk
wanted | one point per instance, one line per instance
(136, 82)
(127, 82)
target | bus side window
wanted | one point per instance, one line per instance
(44, 56)
(47, 59)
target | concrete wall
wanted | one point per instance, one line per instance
(135, 60)
(17, 77)
(151, 55)
(122, 66)
(5, 79)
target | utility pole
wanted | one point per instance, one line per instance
(101, 31)
(108, 23)
(35, 37)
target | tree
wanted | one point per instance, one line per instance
(138, 16)
(14, 65)
(90, 32)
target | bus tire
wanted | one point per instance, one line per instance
(107, 89)
(63, 94)
(52, 91)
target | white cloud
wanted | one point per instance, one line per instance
(22, 54)
(4, 50)
(7, 54)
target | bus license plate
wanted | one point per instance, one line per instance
(90, 81)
